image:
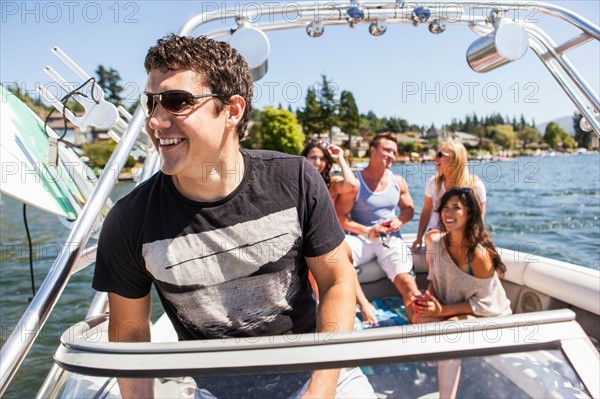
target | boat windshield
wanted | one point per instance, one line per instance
(531, 374)
(543, 354)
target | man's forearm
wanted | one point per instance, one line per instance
(337, 309)
(338, 304)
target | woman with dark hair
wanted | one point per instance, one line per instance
(464, 273)
(322, 156)
(464, 266)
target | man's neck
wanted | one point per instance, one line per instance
(216, 181)
(374, 172)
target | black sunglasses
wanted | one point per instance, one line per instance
(441, 154)
(460, 190)
(175, 102)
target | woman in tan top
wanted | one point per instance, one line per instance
(464, 269)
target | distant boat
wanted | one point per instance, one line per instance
(582, 151)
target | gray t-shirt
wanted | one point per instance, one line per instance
(452, 285)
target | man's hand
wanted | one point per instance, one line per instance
(335, 277)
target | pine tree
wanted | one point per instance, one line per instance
(109, 80)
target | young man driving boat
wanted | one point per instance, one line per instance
(226, 235)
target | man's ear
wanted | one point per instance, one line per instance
(235, 110)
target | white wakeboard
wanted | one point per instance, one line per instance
(28, 173)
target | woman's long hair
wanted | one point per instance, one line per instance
(326, 174)
(475, 230)
(457, 172)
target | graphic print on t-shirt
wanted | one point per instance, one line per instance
(216, 256)
(209, 276)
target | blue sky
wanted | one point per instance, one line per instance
(407, 72)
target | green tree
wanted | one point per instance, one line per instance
(412, 146)
(328, 103)
(479, 131)
(253, 140)
(109, 80)
(98, 154)
(529, 135)
(568, 142)
(279, 131)
(310, 116)
(348, 114)
(414, 128)
(371, 123)
(554, 135)
(504, 135)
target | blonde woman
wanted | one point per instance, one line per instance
(451, 171)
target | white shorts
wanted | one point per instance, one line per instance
(394, 259)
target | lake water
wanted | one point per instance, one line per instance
(546, 206)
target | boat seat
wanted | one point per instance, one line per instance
(560, 281)
(535, 283)
(512, 281)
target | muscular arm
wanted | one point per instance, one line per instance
(129, 321)
(343, 206)
(405, 203)
(335, 278)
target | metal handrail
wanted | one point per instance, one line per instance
(570, 71)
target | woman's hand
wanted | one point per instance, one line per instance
(426, 305)
(417, 245)
(367, 312)
(337, 153)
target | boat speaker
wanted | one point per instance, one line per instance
(530, 302)
(254, 46)
(508, 42)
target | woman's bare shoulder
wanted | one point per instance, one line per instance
(482, 264)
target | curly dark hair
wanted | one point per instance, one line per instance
(222, 69)
(475, 230)
(329, 161)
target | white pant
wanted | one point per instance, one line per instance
(394, 257)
